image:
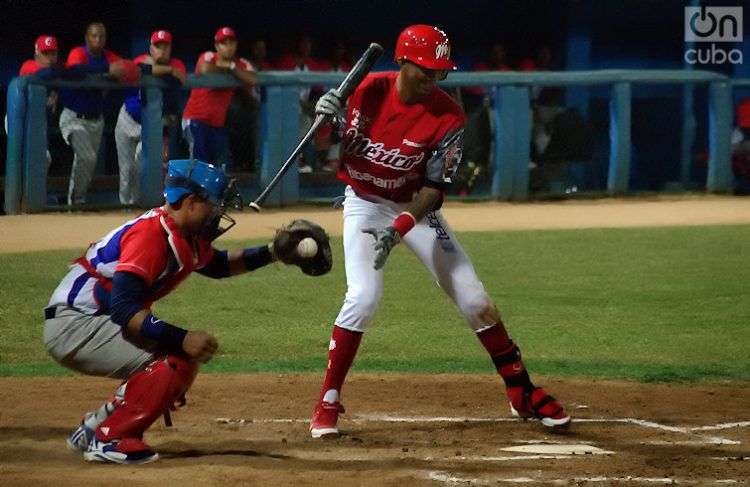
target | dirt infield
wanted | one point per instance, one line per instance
(400, 430)
(25, 233)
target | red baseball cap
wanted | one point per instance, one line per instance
(46, 43)
(161, 36)
(224, 33)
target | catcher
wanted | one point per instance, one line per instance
(99, 320)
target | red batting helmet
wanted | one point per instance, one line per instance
(426, 46)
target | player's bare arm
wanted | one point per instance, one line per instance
(424, 201)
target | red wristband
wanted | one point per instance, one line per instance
(404, 222)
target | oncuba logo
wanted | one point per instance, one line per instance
(443, 50)
(713, 25)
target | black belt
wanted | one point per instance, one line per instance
(88, 116)
(50, 312)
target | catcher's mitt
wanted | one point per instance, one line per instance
(285, 247)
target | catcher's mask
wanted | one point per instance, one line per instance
(208, 182)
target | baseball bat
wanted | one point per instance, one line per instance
(346, 88)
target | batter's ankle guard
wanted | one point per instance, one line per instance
(510, 367)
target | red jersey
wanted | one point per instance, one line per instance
(210, 105)
(391, 149)
(30, 66)
(150, 246)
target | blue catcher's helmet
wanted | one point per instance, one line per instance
(186, 176)
(208, 182)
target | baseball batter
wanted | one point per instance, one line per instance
(158, 62)
(100, 320)
(401, 144)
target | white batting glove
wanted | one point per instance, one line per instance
(329, 104)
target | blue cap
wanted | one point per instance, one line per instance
(188, 176)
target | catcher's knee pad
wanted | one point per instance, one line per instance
(148, 394)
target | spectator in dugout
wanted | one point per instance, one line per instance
(81, 121)
(158, 62)
(205, 116)
(44, 65)
(243, 116)
(478, 130)
(302, 60)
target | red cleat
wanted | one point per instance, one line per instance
(324, 420)
(536, 403)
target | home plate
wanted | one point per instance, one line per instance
(558, 449)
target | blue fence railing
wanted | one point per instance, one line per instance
(25, 181)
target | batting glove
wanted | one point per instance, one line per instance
(329, 104)
(385, 240)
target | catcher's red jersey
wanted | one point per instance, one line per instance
(391, 149)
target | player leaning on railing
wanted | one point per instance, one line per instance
(401, 144)
(99, 320)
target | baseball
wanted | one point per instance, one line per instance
(307, 247)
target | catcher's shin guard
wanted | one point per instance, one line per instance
(148, 395)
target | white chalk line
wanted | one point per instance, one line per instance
(454, 419)
(454, 479)
(688, 430)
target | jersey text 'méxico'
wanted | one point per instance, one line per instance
(391, 149)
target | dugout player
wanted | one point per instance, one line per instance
(43, 65)
(205, 115)
(158, 62)
(81, 121)
(401, 144)
(99, 320)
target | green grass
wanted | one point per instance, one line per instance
(652, 304)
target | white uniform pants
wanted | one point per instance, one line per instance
(85, 137)
(128, 140)
(431, 240)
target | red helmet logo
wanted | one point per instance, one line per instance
(426, 46)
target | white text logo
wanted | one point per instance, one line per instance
(705, 26)
(443, 50)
